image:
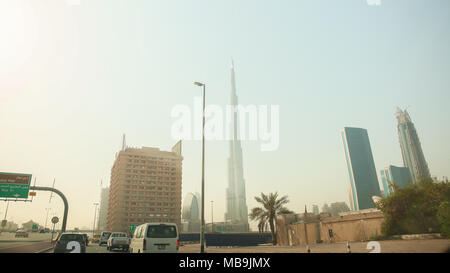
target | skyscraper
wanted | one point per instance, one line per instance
(190, 214)
(191, 207)
(361, 168)
(412, 153)
(315, 209)
(103, 212)
(145, 187)
(393, 175)
(236, 198)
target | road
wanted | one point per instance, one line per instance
(388, 246)
(34, 243)
(95, 248)
(37, 242)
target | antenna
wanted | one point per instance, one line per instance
(124, 145)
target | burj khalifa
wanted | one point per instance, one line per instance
(236, 199)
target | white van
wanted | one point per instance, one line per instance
(155, 238)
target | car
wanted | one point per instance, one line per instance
(21, 233)
(104, 237)
(70, 243)
(118, 240)
(155, 238)
(86, 238)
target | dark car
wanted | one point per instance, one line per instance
(86, 238)
(70, 243)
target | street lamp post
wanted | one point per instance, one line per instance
(95, 215)
(202, 224)
(7, 206)
(4, 222)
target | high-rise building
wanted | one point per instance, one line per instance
(236, 210)
(190, 213)
(145, 187)
(191, 207)
(393, 175)
(315, 209)
(412, 153)
(103, 212)
(361, 168)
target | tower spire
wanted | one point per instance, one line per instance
(124, 145)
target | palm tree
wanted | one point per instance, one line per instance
(258, 214)
(272, 206)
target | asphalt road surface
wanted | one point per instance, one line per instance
(35, 242)
(95, 248)
(388, 246)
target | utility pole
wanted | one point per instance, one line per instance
(95, 215)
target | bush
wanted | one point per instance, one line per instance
(414, 209)
(377, 237)
(444, 219)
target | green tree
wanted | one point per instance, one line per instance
(444, 218)
(271, 207)
(414, 209)
(258, 214)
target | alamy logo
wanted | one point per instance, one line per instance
(250, 122)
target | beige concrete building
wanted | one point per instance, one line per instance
(145, 187)
(309, 229)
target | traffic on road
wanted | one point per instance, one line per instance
(147, 238)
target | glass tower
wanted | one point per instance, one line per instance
(393, 175)
(412, 153)
(361, 168)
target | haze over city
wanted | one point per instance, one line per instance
(74, 78)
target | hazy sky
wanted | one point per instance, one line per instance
(74, 78)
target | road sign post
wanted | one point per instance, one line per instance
(14, 185)
(54, 221)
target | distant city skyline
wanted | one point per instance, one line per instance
(74, 78)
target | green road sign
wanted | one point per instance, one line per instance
(14, 185)
(34, 227)
(76, 229)
(133, 227)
